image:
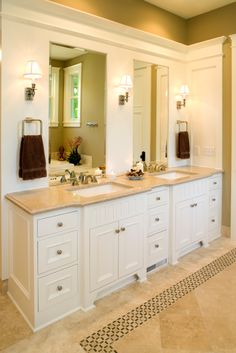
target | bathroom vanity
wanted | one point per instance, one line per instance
(68, 246)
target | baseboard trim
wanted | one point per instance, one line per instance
(3, 286)
(225, 231)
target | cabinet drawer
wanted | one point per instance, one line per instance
(157, 248)
(214, 198)
(57, 287)
(57, 251)
(215, 182)
(59, 223)
(214, 219)
(158, 198)
(157, 219)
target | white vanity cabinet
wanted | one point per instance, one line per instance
(189, 210)
(157, 227)
(43, 266)
(113, 245)
(215, 206)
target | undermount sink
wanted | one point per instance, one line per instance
(174, 175)
(96, 190)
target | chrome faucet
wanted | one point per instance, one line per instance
(85, 178)
(73, 179)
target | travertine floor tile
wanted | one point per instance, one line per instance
(199, 316)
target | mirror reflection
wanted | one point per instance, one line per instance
(76, 109)
(150, 115)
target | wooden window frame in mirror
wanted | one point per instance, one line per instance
(69, 72)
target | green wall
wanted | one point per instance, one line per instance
(134, 13)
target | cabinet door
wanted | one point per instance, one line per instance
(103, 255)
(184, 223)
(200, 218)
(131, 243)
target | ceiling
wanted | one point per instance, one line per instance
(189, 8)
(63, 52)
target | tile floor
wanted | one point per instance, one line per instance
(203, 321)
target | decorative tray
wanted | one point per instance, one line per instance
(135, 177)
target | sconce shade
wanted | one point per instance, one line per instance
(32, 70)
(126, 82)
(184, 91)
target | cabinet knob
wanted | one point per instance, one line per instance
(213, 199)
(215, 183)
(122, 229)
(157, 219)
(195, 204)
(158, 198)
(59, 224)
(59, 252)
(192, 205)
(156, 245)
(213, 220)
(59, 288)
(117, 231)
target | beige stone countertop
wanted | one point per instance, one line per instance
(61, 196)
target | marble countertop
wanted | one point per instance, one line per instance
(61, 196)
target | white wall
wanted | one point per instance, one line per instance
(205, 103)
(27, 28)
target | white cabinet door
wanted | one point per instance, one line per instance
(103, 255)
(130, 245)
(199, 218)
(184, 223)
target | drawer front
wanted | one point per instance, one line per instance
(158, 198)
(215, 182)
(157, 248)
(214, 198)
(59, 223)
(157, 219)
(57, 251)
(57, 287)
(214, 219)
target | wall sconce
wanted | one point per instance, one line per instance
(32, 72)
(181, 98)
(125, 84)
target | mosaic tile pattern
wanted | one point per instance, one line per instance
(101, 341)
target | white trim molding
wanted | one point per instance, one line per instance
(233, 147)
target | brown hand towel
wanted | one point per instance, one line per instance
(183, 150)
(32, 158)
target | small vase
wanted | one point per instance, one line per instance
(74, 157)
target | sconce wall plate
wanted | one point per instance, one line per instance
(30, 92)
(181, 98)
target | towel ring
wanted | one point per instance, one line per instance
(31, 120)
(182, 122)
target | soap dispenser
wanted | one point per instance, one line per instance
(139, 166)
(143, 158)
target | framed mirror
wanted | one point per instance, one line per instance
(150, 114)
(77, 107)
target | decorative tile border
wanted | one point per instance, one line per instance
(101, 341)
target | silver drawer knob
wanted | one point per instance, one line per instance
(122, 229)
(59, 224)
(215, 183)
(213, 199)
(192, 205)
(59, 252)
(156, 245)
(59, 288)
(158, 198)
(213, 220)
(117, 231)
(157, 219)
